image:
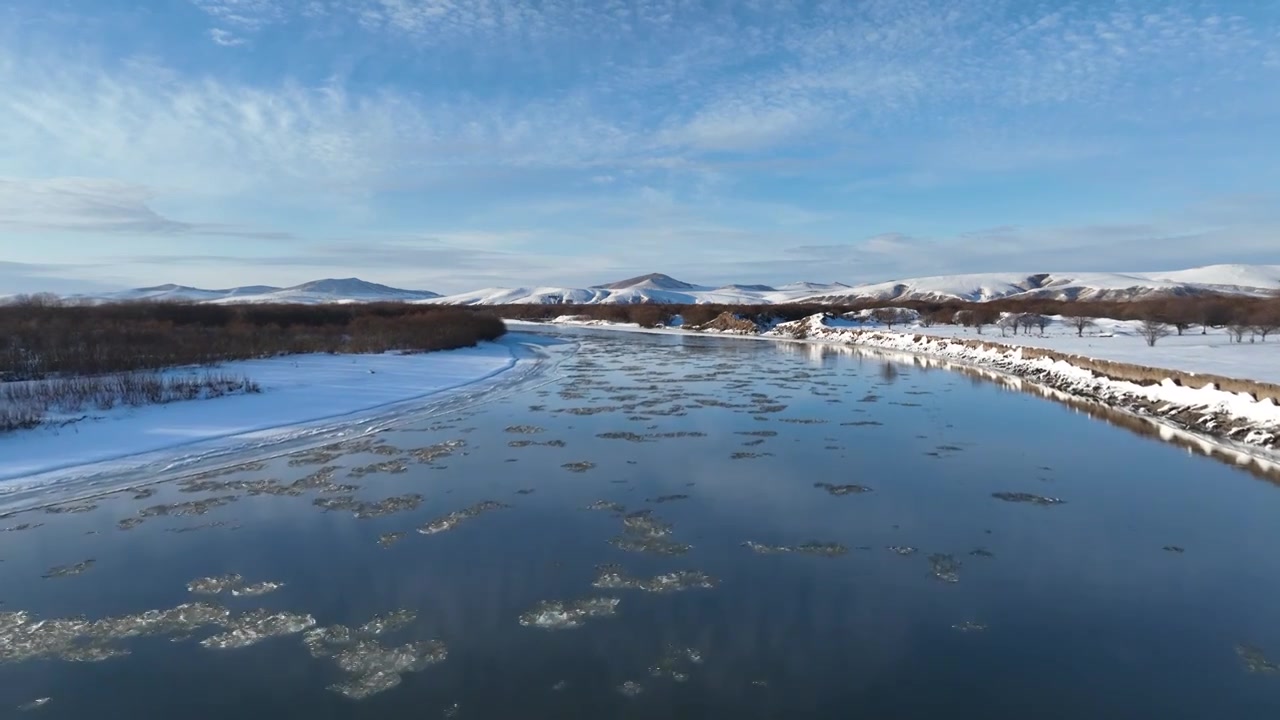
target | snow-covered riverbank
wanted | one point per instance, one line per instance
(302, 396)
(1237, 418)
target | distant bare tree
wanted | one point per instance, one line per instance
(1266, 321)
(1080, 323)
(1009, 322)
(1152, 330)
(889, 316)
(928, 319)
(1236, 330)
(982, 316)
(1032, 320)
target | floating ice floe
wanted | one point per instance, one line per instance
(79, 640)
(667, 498)
(813, 547)
(34, 704)
(970, 626)
(533, 443)
(69, 570)
(450, 521)
(72, 509)
(524, 429)
(431, 453)
(642, 532)
(559, 615)
(389, 467)
(129, 523)
(608, 506)
(255, 626)
(1023, 497)
(1255, 661)
(902, 549)
(842, 489)
(631, 688)
(676, 663)
(579, 467)
(945, 568)
(386, 540)
(364, 510)
(187, 509)
(215, 585)
(612, 577)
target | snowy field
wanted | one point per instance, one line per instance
(302, 395)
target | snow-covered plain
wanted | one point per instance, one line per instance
(1116, 340)
(302, 396)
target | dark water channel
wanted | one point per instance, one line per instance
(780, 531)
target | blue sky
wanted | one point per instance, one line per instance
(456, 144)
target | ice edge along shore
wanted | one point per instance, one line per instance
(305, 398)
(1238, 422)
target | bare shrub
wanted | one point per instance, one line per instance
(1152, 330)
(27, 404)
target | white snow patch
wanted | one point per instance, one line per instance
(299, 393)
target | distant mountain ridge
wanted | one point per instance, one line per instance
(660, 288)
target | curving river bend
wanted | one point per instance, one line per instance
(668, 527)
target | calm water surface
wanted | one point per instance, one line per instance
(1138, 596)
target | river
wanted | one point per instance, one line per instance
(730, 528)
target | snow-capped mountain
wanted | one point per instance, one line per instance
(348, 290)
(331, 290)
(659, 288)
(652, 288)
(982, 287)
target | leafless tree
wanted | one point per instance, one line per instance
(1236, 330)
(1152, 330)
(889, 316)
(1265, 318)
(1080, 323)
(1032, 320)
(928, 319)
(1009, 322)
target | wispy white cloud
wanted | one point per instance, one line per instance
(225, 38)
(658, 123)
(99, 206)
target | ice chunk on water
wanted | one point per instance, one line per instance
(611, 577)
(256, 589)
(34, 704)
(69, 570)
(558, 615)
(631, 688)
(1255, 661)
(215, 585)
(812, 547)
(945, 568)
(453, 519)
(257, 625)
(1022, 497)
(842, 489)
(81, 640)
(233, 583)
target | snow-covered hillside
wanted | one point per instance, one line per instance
(348, 290)
(659, 288)
(653, 288)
